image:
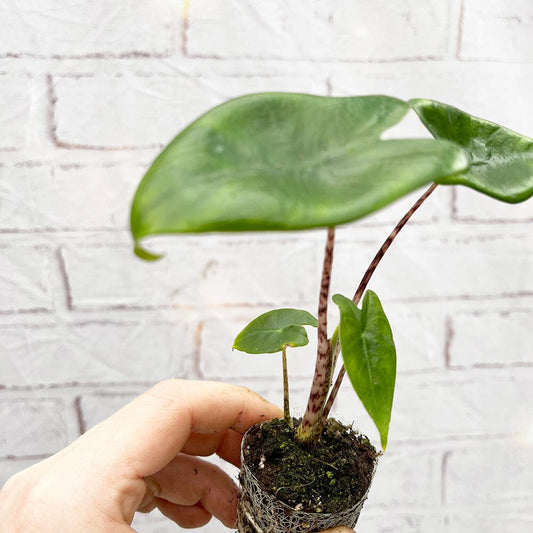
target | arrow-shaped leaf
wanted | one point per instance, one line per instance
(271, 331)
(501, 161)
(283, 161)
(369, 357)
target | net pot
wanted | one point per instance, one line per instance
(261, 512)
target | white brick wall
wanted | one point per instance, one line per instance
(472, 207)
(32, 426)
(400, 482)
(195, 272)
(104, 104)
(419, 266)
(342, 30)
(477, 338)
(95, 352)
(89, 28)
(511, 21)
(14, 118)
(91, 90)
(24, 282)
(31, 197)
(508, 483)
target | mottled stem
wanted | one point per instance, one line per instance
(388, 241)
(362, 287)
(323, 367)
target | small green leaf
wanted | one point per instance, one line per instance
(273, 330)
(369, 357)
(283, 161)
(501, 161)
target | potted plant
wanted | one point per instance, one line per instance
(283, 161)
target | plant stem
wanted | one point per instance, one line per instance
(286, 408)
(388, 241)
(364, 283)
(333, 393)
(308, 429)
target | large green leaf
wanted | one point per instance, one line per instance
(283, 161)
(501, 161)
(271, 331)
(369, 357)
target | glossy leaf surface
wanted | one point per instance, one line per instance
(273, 330)
(369, 357)
(501, 161)
(283, 161)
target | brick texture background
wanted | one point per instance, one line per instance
(91, 90)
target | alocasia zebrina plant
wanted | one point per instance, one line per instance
(283, 161)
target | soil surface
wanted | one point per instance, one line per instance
(332, 475)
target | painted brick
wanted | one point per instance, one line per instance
(342, 30)
(486, 520)
(418, 266)
(407, 479)
(419, 335)
(24, 279)
(511, 22)
(43, 198)
(10, 467)
(491, 338)
(435, 208)
(15, 113)
(470, 206)
(429, 407)
(89, 28)
(218, 361)
(498, 475)
(94, 352)
(478, 405)
(406, 522)
(475, 87)
(103, 277)
(128, 110)
(199, 271)
(32, 427)
(101, 405)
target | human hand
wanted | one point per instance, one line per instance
(142, 457)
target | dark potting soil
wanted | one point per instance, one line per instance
(330, 476)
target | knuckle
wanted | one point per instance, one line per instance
(167, 390)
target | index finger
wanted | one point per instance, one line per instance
(149, 432)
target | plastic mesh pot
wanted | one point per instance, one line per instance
(259, 512)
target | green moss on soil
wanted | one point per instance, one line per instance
(330, 476)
